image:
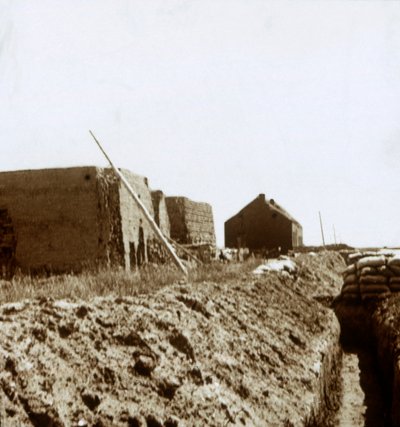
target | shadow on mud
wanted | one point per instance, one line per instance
(375, 407)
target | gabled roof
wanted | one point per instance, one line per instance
(272, 205)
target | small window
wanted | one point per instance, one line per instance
(274, 215)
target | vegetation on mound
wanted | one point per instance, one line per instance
(227, 348)
(316, 274)
(117, 282)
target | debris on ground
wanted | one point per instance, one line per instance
(283, 264)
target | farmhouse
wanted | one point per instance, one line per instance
(71, 218)
(263, 224)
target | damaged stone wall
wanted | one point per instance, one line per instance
(73, 218)
(110, 243)
(7, 245)
(132, 219)
(54, 213)
(191, 222)
(160, 212)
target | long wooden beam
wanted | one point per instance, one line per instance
(144, 210)
(183, 249)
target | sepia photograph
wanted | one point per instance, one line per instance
(199, 213)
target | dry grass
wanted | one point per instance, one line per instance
(115, 282)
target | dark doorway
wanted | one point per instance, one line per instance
(132, 255)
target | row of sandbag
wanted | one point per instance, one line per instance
(371, 275)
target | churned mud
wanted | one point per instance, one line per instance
(257, 352)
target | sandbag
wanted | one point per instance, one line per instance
(374, 296)
(395, 269)
(385, 271)
(351, 289)
(369, 289)
(350, 269)
(395, 260)
(368, 271)
(395, 279)
(351, 297)
(371, 261)
(394, 287)
(354, 257)
(373, 279)
(351, 278)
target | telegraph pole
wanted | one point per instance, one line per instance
(322, 229)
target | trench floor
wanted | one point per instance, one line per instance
(362, 399)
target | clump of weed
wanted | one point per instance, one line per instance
(116, 281)
(88, 284)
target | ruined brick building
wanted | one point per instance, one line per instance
(71, 218)
(263, 225)
(191, 222)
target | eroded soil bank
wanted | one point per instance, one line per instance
(370, 334)
(256, 352)
(386, 327)
(362, 403)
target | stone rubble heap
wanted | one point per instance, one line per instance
(371, 275)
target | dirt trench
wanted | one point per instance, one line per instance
(245, 352)
(252, 352)
(365, 398)
(362, 403)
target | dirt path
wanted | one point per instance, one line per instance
(362, 403)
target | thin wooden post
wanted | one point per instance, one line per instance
(322, 229)
(183, 249)
(144, 210)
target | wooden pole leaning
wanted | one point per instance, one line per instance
(183, 249)
(144, 210)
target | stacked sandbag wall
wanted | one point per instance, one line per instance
(371, 276)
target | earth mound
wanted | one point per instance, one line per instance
(248, 352)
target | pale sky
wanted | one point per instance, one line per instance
(217, 101)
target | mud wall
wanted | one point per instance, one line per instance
(191, 222)
(110, 243)
(328, 385)
(132, 218)
(70, 218)
(160, 212)
(54, 214)
(385, 326)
